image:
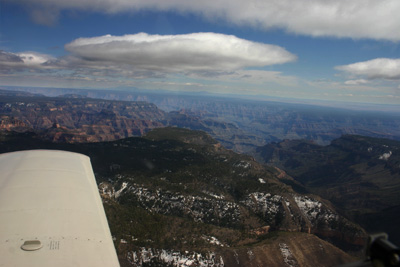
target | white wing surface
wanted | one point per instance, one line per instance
(51, 213)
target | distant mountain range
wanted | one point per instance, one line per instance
(242, 125)
(73, 118)
(359, 175)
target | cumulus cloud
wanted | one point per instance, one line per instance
(379, 68)
(9, 58)
(120, 59)
(376, 19)
(187, 52)
(33, 58)
(24, 60)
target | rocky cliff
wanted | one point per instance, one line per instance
(82, 119)
(74, 118)
(242, 125)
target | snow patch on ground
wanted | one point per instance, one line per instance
(173, 258)
(242, 164)
(287, 255)
(106, 190)
(265, 204)
(385, 156)
(123, 187)
(213, 240)
(314, 210)
(310, 207)
(251, 255)
(213, 209)
(236, 257)
(214, 195)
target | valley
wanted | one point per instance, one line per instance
(178, 192)
(175, 189)
(359, 175)
(72, 118)
(243, 125)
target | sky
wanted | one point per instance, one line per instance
(319, 50)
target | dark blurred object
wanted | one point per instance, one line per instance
(380, 252)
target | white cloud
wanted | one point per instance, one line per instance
(376, 19)
(33, 58)
(356, 82)
(24, 60)
(188, 52)
(379, 68)
(189, 59)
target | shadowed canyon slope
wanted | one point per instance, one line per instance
(359, 175)
(179, 195)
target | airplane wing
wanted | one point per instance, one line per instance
(51, 213)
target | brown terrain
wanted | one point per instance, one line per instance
(298, 219)
(79, 119)
(298, 249)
